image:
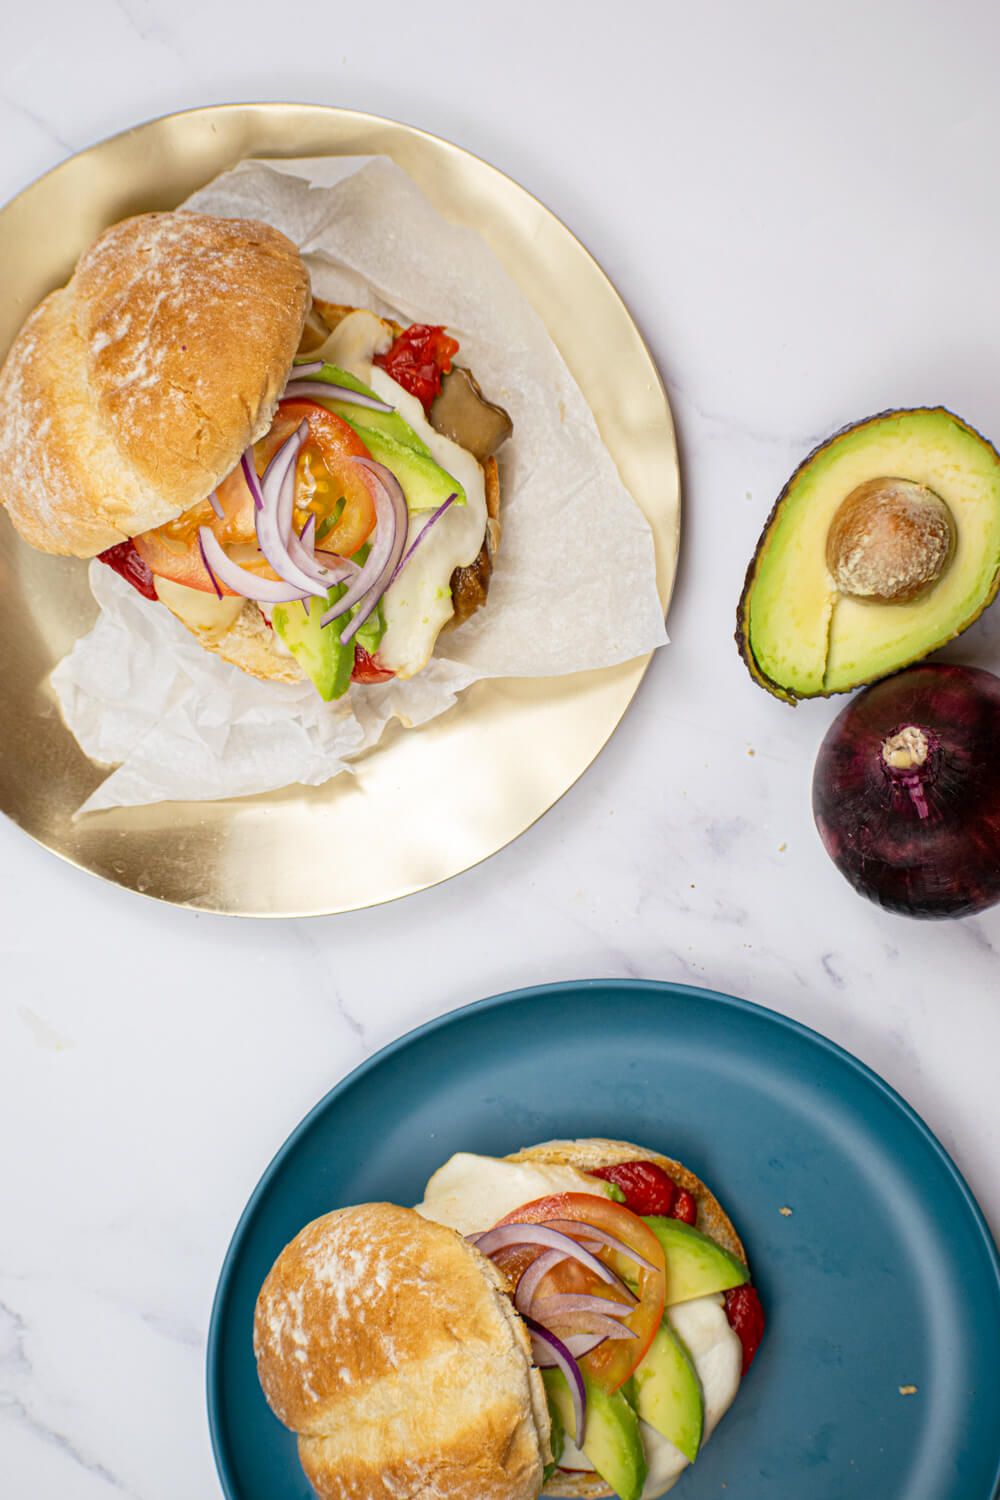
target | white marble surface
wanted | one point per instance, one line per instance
(799, 203)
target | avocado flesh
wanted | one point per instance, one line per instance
(317, 648)
(392, 441)
(665, 1392)
(800, 637)
(612, 1442)
(696, 1265)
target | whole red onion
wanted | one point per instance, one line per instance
(906, 791)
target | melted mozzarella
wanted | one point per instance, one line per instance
(470, 1193)
(198, 609)
(419, 603)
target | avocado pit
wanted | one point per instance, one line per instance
(890, 541)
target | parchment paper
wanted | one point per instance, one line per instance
(139, 693)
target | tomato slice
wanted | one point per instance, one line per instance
(325, 476)
(611, 1364)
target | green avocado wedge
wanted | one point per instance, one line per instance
(391, 440)
(612, 1442)
(317, 648)
(696, 1265)
(665, 1392)
(799, 633)
(389, 422)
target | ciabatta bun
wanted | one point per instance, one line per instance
(387, 1343)
(132, 391)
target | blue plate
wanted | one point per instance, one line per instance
(883, 1276)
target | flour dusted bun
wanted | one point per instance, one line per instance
(387, 1343)
(132, 391)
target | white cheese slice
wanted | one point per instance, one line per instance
(198, 609)
(470, 1193)
(419, 603)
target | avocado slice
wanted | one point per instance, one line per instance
(665, 1392)
(317, 649)
(389, 422)
(425, 484)
(612, 1441)
(801, 635)
(696, 1265)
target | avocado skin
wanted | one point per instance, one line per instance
(743, 608)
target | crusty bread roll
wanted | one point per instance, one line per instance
(387, 1343)
(132, 391)
(585, 1155)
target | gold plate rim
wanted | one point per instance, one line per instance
(212, 898)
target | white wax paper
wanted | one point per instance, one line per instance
(139, 693)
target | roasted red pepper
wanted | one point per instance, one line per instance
(647, 1188)
(127, 563)
(746, 1319)
(650, 1190)
(418, 359)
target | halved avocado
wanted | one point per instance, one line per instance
(801, 635)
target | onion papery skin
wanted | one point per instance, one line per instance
(923, 841)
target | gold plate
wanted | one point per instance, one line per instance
(425, 804)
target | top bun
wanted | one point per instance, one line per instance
(387, 1343)
(132, 391)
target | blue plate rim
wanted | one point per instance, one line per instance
(531, 992)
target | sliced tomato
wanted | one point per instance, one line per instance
(611, 1364)
(326, 476)
(367, 669)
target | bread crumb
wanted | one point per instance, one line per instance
(786, 1212)
(751, 750)
(782, 848)
(907, 1390)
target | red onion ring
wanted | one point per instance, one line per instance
(391, 520)
(250, 475)
(216, 505)
(550, 1239)
(549, 1350)
(423, 532)
(323, 388)
(305, 369)
(548, 1308)
(532, 1277)
(572, 1226)
(609, 1328)
(265, 590)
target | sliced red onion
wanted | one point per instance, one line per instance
(275, 533)
(323, 388)
(310, 521)
(391, 518)
(221, 566)
(250, 475)
(423, 532)
(208, 570)
(552, 1306)
(216, 505)
(549, 1350)
(307, 368)
(571, 1226)
(550, 1239)
(533, 1276)
(566, 1323)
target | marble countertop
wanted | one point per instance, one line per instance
(798, 204)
